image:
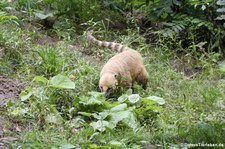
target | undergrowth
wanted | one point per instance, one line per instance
(65, 109)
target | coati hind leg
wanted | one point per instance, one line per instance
(142, 78)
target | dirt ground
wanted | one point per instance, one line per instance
(9, 89)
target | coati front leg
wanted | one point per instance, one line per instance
(129, 85)
(127, 82)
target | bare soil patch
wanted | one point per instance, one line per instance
(9, 90)
(47, 40)
(186, 66)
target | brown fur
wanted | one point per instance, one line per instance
(126, 66)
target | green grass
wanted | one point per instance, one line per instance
(5, 66)
(193, 112)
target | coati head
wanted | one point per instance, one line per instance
(108, 82)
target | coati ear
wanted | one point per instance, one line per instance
(115, 75)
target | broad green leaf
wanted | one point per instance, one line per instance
(101, 115)
(61, 81)
(24, 95)
(119, 107)
(41, 79)
(123, 98)
(43, 16)
(154, 108)
(67, 146)
(134, 98)
(96, 94)
(99, 125)
(157, 99)
(129, 92)
(115, 143)
(54, 118)
(117, 116)
(96, 98)
(131, 121)
(118, 113)
(85, 114)
(89, 101)
(96, 116)
(148, 101)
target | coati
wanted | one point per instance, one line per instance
(124, 68)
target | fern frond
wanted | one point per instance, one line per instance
(220, 2)
(181, 22)
(221, 10)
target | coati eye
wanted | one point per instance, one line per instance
(101, 88)
(109, 88)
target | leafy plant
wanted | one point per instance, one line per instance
(4, 17)
(162, 9)
(42, 105)
(172, 29)
(123, 112)
(221, 10)
(50, 64)
(5, 66)
(95, 110)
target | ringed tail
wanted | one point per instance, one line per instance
(111, 45)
